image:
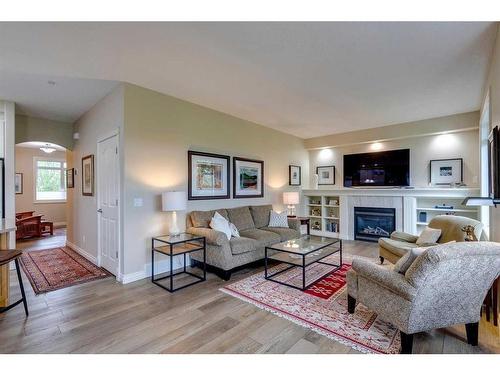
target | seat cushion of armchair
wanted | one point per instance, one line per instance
(240, 245)
(399, 248)
(264, 237)
(284, 233)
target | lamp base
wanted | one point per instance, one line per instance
(174, 230)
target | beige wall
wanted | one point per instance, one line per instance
(159, 130)
(464, 144)
(55, 212)
(105, 117)
(37, 129)
(493, 86)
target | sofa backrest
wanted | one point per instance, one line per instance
(201, 219)
(260, 215)
(451, 227)
(241, 217)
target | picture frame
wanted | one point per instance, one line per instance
(294, 175)
(209, 176)
(248, 178)
(326, 175)
(494, 163)
(18, 183)
(88, 175)
(70, 178)
(446, 172)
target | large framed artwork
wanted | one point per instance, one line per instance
(326, 175)
(208, 176)
(18, 183)
(88, 175)
(494, 163)
(294, 175)
(446, 172)
(70, 178)
(248, 178)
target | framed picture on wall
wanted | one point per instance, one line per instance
(18, 183)
(248, 178)
(70, 178)
(326, 175)
(294, 175)
(446, 172)
(208, 176)
(88, 175)
(494, 163)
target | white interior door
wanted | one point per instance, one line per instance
(108, 194)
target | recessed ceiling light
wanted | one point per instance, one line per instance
(52, 83)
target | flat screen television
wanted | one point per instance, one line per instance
(385, 168)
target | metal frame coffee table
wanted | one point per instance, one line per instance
(302, 252)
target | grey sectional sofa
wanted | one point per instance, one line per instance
(225, 256)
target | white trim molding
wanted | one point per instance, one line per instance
(82, 252)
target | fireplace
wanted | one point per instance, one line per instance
(371, 223)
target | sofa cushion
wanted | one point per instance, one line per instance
(260, 215)
(396, 247)
(284, 233)
(241, 217)
(201, 219)
(428, 235)
(240, 245)
(264, 237)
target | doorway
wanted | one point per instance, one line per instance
(108, 203)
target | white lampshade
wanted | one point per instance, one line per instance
(291, 197)
(173, 201)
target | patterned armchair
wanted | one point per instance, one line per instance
(444, 286)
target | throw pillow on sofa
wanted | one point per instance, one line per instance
(220, 224)
(278, 220)
(234, 231)
(428, 236)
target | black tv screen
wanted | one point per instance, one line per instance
(386, 168)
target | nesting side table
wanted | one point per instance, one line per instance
(173, 246)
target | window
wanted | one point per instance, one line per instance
(50, 181)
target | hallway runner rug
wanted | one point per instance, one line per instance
(58, 268)
(322, 307)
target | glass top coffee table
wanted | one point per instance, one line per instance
(302, 252)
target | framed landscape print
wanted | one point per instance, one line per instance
(208, 176)
(326, 175)
(446, 171)
(88, 175)
(294, 176)
(18, 183)
(248, 178)
(70, 178)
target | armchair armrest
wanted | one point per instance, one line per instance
(294, 223)
(405, 237)
(387, 278)
(212, 236)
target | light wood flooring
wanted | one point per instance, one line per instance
(45, 242)
(107, 317)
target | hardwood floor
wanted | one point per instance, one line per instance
(46, 242)
(107, 317)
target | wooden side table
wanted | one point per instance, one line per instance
(7, 256)
(305, 221)
(173, 246)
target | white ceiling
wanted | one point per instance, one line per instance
(307, 79)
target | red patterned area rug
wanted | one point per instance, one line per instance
(53, 269)
(322, 307)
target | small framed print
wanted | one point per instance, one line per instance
(326, 175)
(248, 178)
(70, 178)
(88, 175)
(18, 183)
(294, 175)
(208, 176)
(446, 172)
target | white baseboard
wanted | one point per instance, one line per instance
(160, 267)
(82, 252)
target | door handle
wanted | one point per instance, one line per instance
(99, 210)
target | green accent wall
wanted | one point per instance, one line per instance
(35, 129)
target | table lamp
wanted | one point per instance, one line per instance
(291, 198)
(173, 201)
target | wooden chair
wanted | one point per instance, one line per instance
(6, 256)
(23, 215)
(29, 227)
